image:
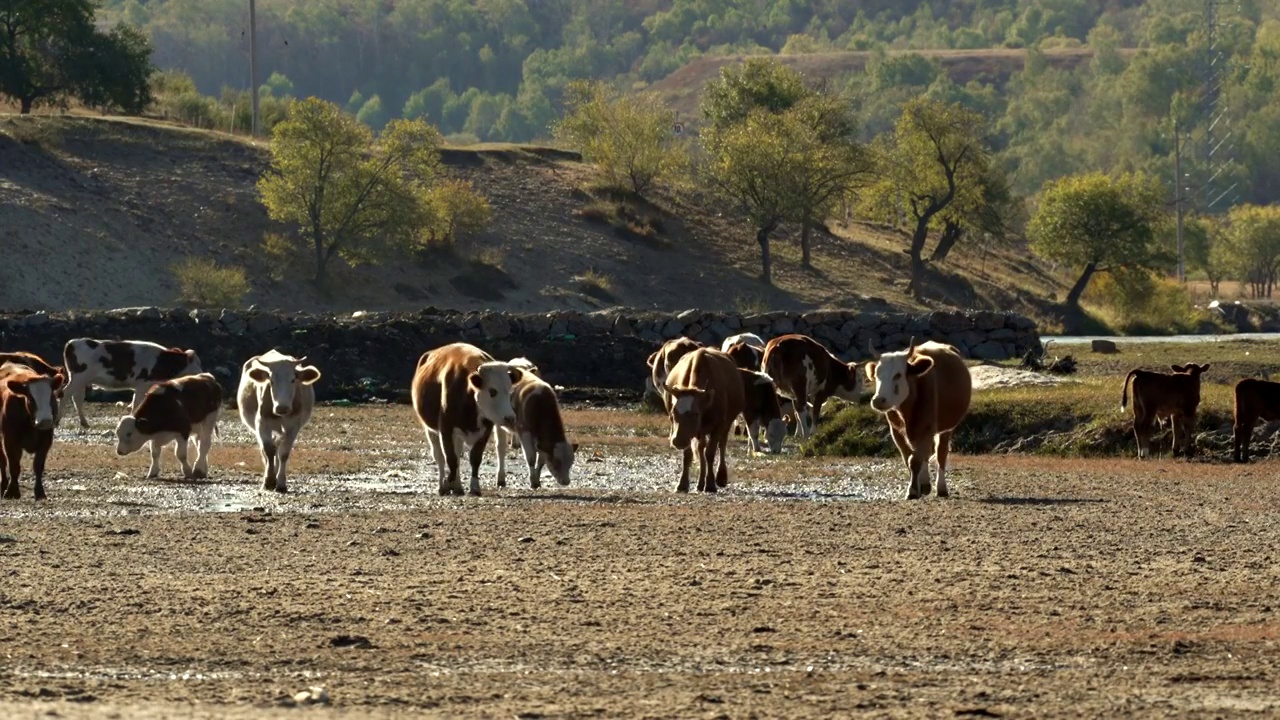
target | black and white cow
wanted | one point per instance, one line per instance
(122, 365)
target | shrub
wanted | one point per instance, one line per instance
(1141, 302)
(459, 211)
(204, 283)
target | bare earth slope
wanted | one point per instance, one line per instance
(101, 209)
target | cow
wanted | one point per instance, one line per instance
(172, 411)
(705, 391)
(33, 361)
(28, 415)
(460, 393)
(525, 364)
(1254, 400)
(808, 374)
(1173, 395)
(661, 362)
(924, 393)
(122, 365)
(762, 409)
(539, 427)
(749, 339)
(276, 396)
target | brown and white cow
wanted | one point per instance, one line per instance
(122, 365)
(924, 393)
(28, 408)
(276, 398)
(1254, 400)
(1173, 395)
(751, 341)
(171, 412)
(661, 362)
(33, 361)
(762, 409)
(539, 427)
(809, 374)
(459, 394)
(705, 391)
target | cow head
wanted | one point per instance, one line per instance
(280, 375)
(131, 435)
(193, 362)
(776, 430)
(38, 391)
(560, 461)
(893, 374)
(490, 385)
(686, 407)
(526, 365)
(1191, 369)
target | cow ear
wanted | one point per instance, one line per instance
(308, 374)
(59, 381)
(191, 354)
(870, 370)
(1204, 368)
(920, 365)
(1178, 368)
(653, 359)
(258, 374)
(18, 387)
(516, 374)
(475, 381)
(574, 446)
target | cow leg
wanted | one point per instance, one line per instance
(753, 434)
(686, 460)
(283, 451)
(500, 447)
(76, 393)
(1241, 435)
(941, 454)
(722, 473)
(267, 445)
(1142, 425)
(1189, 435)
(477, 456)
(707, 469)
(696, 445)
(180, 450)
(204, 440)
(153, 472)
(438, 454)
(904, 449)
(13, 468)
(37, 464)
(532, 459)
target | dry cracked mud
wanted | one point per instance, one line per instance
(1045, 588)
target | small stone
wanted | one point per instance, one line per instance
(1105, 347)
(423, 535)
(525, 539)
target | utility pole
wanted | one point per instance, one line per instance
(253, 64)
(1177, 194)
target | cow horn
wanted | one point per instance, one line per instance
(874, 355)
(302, 359)
(911, 345)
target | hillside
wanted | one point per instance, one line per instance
(101, 208)
(682, 89)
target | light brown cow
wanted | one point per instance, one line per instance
(1173, 395)
(809, 374)
(459, 394)
(661, 362)
(539, 428)
(1254, 400)
(705, 388)
(173, 411)
(28, 414)
(924, 393)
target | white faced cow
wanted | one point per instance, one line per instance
(121, 365)
(539, 428)
(459, 394)
(276, 399)
(174, 411)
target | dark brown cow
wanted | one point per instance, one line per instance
(809, 374)
(762, 408)
(28, 408)
(1254, 400)
(924, 393)
(459, 394)
(539, 428)
(705, 390)
(665, 358)
(1173, 395)
(171, 412)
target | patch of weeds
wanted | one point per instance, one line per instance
(750, 305)
(491, 256)
(596, 284)
(629, 217)
(204, 283)
(281, 256)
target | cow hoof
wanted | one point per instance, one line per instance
(282, 489)
(683, 489)
(200, 475)
(534, 485)
(41, 497)
(459, 492)
(502, 482)
(474, 493)
(444, 491)
(943, 492)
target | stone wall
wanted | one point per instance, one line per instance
(364, 355)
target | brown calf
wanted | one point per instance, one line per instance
(924, 393)
(1173, 395)
(762, 409)
(1255, 400)
(705, 388)
(28, 412)
(809, 374)
(665, 358)
(173, 411)
(539, 428)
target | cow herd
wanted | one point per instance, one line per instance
(462, 397)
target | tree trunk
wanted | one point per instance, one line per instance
(951, 234)
(766, 263)
(25, 105)
(804, 245)
(1073, 297)
(916, 286)
(322, 262)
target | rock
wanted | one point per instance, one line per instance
(233, 322)
(495, 327)
(1106, 347)
(987, 320)
(264, 323)
(688, 316)
(783, 326)
(672, 329)
(988, 351)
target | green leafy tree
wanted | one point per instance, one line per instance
(351, 198)
(993, 211)
(372, 114)
(51, 51)
(458, 211)
(629, 137)
(934, 161)
(757, 83)
(1253, 237)
(1097, 223)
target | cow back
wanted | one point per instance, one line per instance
(439, 392)
(712, 371)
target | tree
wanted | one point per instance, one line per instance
(458, 210)
(1253, 236)
(51, 51)
(756, 83)
(935, 156)
(351, 198)
(1097, 223)
(1204, 246)
(995, 209)
(629, 137)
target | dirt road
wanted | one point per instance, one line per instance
(1045, 588)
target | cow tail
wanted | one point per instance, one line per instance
(1124, 392)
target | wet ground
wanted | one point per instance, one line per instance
(1045, 588)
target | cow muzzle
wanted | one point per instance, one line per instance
(44, 423)
(509, 422)
(281, 410)
(880, 404)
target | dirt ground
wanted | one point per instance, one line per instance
(808, 589)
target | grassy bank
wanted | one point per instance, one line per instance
(1081, 417)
